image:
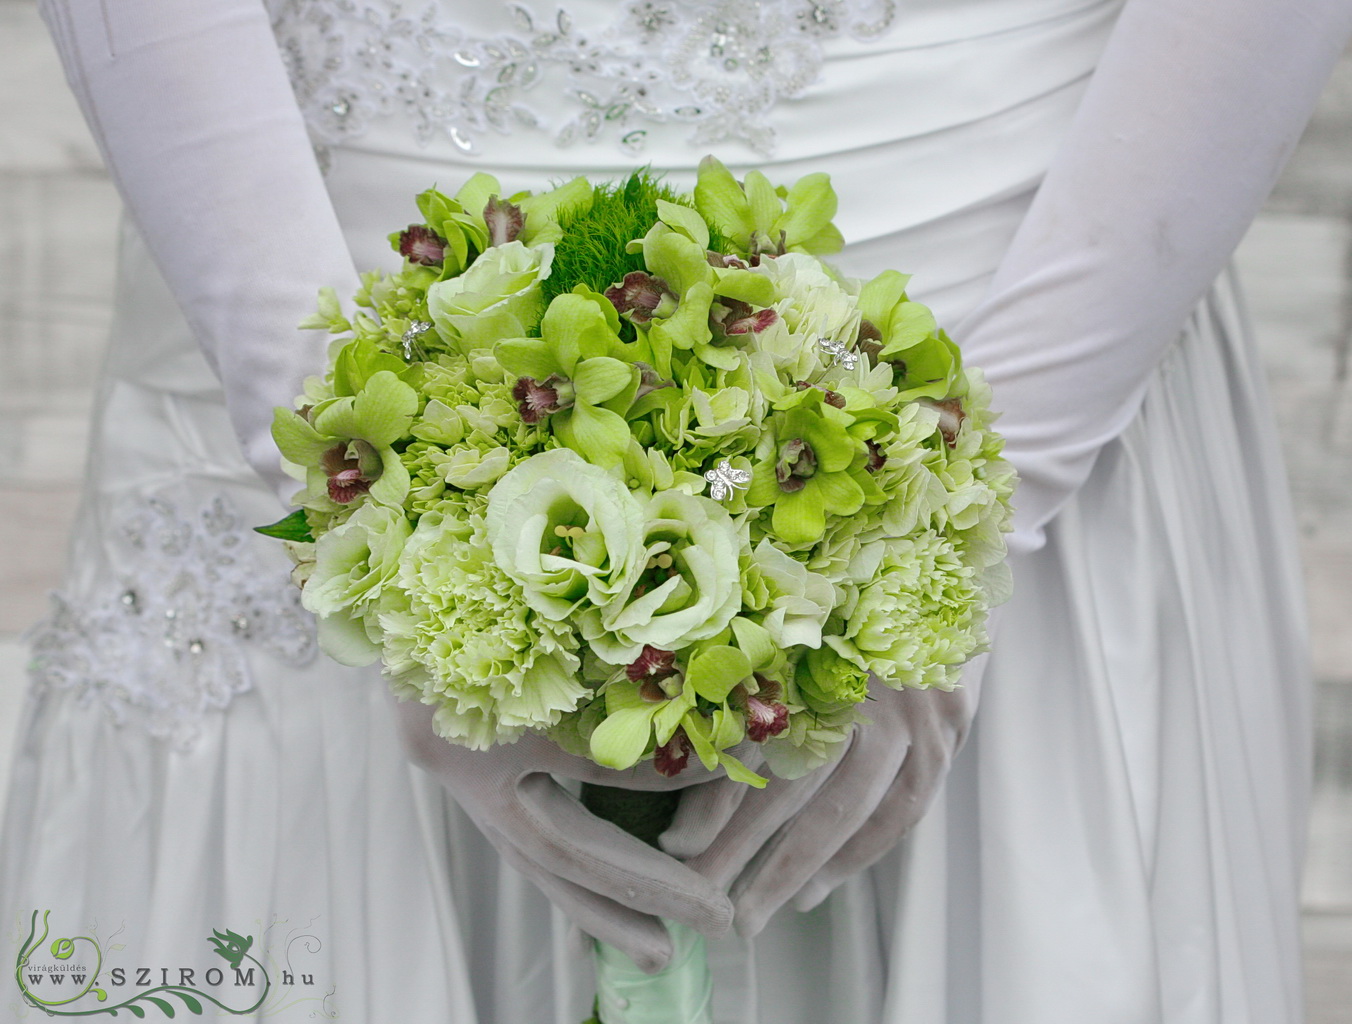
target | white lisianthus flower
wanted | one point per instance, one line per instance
(690, 587)
(502, 286)
(568, 532)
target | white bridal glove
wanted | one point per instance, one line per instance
(194, 113)
(613, 886)
(192, 108)
(1189, 118)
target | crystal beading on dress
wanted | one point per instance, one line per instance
(720, 67)
(165, 643)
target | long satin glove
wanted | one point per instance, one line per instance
(194, 113)
(586, 866)
(1191, 115)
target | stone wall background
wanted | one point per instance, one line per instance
(58, 216)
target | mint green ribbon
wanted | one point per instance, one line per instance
(680, 994)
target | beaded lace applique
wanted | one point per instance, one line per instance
(719, 66)
(166, 644)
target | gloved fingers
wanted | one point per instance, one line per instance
(704, 811)
(567, 840)
(643, 938)
(844, 802)
(901, 808)
(755, 819)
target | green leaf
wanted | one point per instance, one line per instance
(697, 729)
(721, 200)
(620, 740)
(601, 379)
(765, 205)
(296, 439)
(684, 220)
(599, 435)
(135, 1010)
(166, 1007)
(739, 772)
(293, 527)
(754, 641)
(526, 357)
(811, 205)
(714, 672)
(188, 1001)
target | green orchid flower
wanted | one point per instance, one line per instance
(346, 444)
(760, 219)
(571, 375)
(641, 716)
(459, 228)
(808, 473)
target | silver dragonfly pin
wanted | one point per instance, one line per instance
(725, 478)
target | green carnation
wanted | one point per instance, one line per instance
(461, 637)
(920, 619)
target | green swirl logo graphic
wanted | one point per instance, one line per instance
(230, 946)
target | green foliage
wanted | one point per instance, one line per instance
(593, 250)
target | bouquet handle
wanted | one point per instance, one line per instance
(681, 993)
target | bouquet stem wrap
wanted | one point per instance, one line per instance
(682, 993)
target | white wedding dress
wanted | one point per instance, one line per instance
(1119, 842)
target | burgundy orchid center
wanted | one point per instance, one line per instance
(420, 244)
(352, 467)
(731, 317)
(650, 380)
(672, 756)
(505, 221)
(876, 459)
(951, 415)
(797, 464)
(640, 295)
(652, 664)
(539, 399)
(833, 398)
(764, 718)
(869, 340)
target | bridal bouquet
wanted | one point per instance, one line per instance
(638, 470)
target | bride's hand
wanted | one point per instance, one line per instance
(798, 840)
(611, 885)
